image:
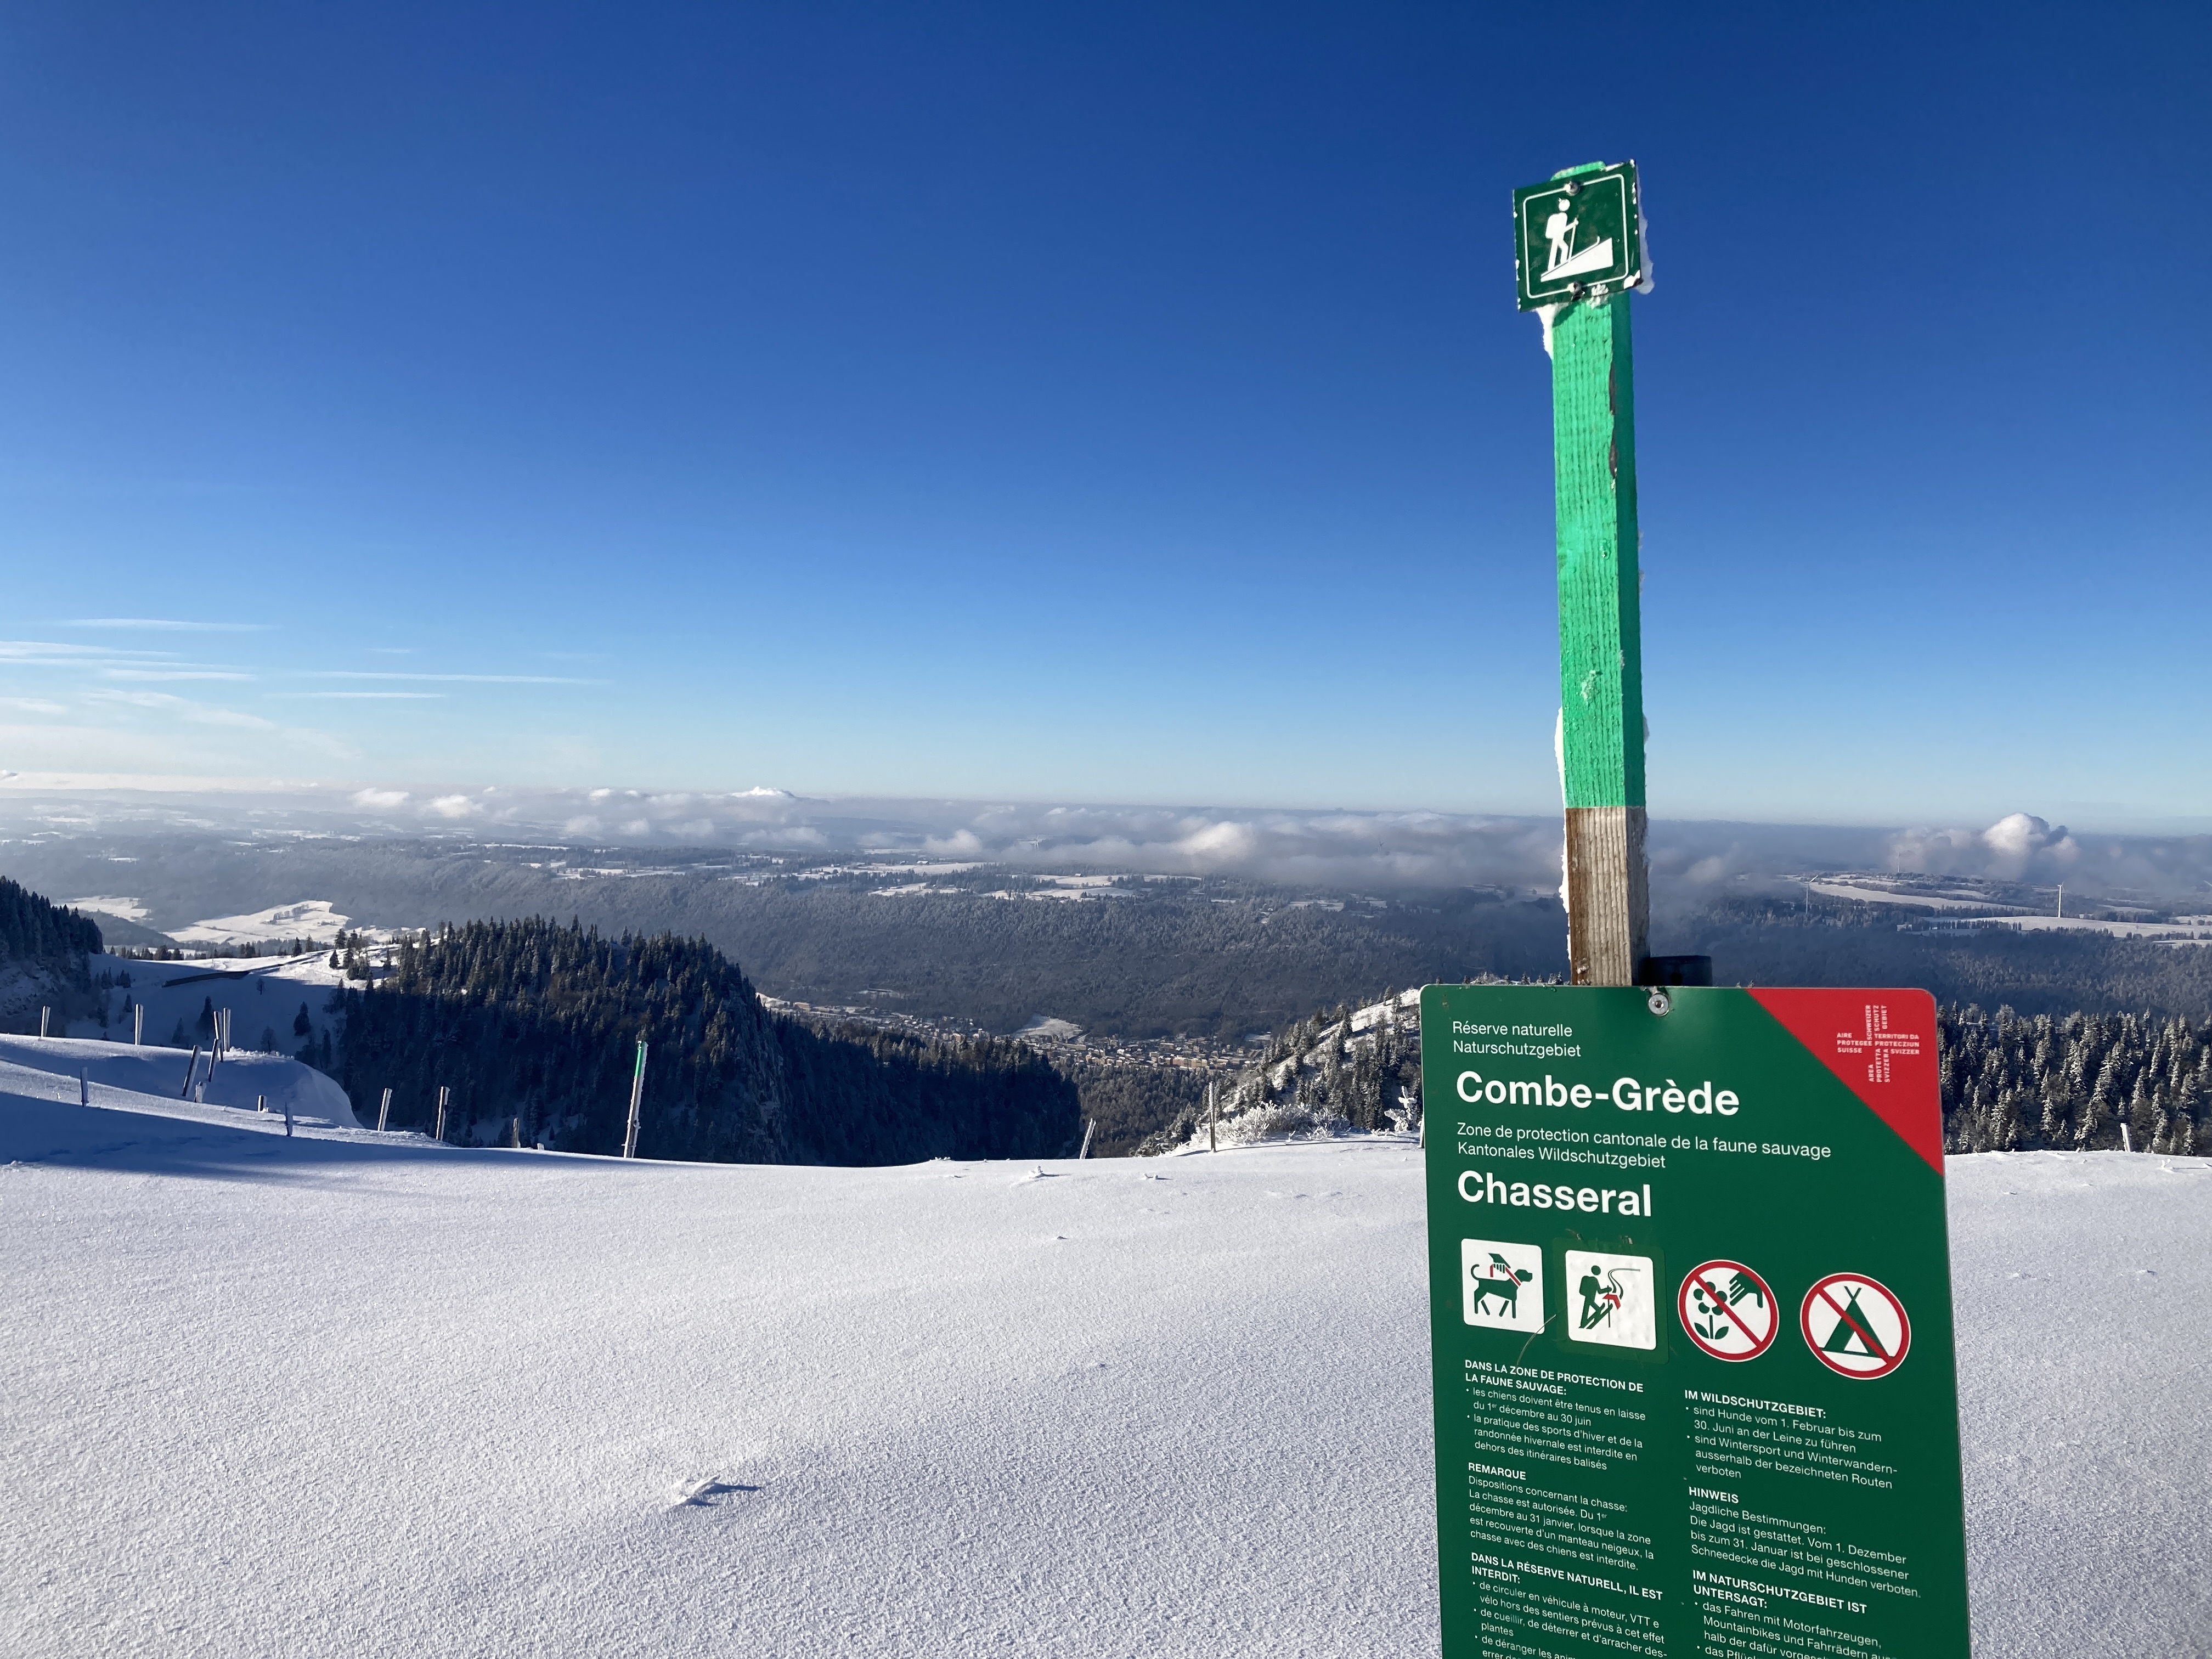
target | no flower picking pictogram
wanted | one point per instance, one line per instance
(1728, 1310)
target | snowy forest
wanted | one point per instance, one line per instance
(533, 1026)
(2010, 1082)
(2013, 1083)
(35, 929)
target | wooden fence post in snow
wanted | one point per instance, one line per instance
(443, 1093)
(43, 1014)
(636, 1100)
(1212, 1118)
(83, 1086)
(518, 1134)
(1089, 1124)
(138, 1024)
(190, 1065)
(384, 1112)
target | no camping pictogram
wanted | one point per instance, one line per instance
(1728, 1310)
(1855, 1326)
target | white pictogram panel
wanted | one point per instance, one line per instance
(1501, 1285)
(1610, 1299)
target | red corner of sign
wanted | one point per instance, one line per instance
(1882, 1045)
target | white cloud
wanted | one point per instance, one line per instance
(33, 705)
(381, 798)
(168, 624)
(2010, 850)
(472, 679)
(409, 697)
(134, 673)
(454, 806)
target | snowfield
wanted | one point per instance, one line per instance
(348, 1394)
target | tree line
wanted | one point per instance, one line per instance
(35, 929)
(2013, 1082)
(532, 1028)
(2009, 1082)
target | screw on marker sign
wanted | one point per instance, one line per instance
(1855, 1326)
(1728, 1310)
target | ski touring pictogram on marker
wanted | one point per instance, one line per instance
(1855, 1326)
(1728, 1310)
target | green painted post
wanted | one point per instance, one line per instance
(1579, 256)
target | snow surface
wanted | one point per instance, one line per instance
(309, 918)
(351, 1394)
(264, 997)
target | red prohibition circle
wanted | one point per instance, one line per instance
(1707, 1272)
(1821, 1295)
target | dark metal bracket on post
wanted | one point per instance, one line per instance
(1675, 970)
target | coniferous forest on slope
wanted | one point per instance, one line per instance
(535, 1022)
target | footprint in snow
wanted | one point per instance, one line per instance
(700, 1493)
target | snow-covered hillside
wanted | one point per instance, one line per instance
(350, 1393)
(265, 997)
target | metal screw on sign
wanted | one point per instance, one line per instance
(1659, 1002)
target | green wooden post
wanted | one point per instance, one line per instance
(1580, 255)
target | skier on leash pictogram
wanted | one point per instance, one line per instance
(1616, 1307)
(1601, 1297)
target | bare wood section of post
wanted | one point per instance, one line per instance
(1608, 894)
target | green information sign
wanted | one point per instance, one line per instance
(1691, 1306)
(1576, 233)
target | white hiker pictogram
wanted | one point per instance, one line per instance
(1559, 232)
(1878, 1044)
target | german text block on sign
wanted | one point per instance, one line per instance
(1691, 1309)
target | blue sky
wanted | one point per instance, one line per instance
(1109, 404)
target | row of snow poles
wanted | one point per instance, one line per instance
(218, 1047)
(514, 1127)
(137, 1023)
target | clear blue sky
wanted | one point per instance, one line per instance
(1118, 403)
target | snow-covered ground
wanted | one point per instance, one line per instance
(310, 919)
(265, 996)
(350, 1393)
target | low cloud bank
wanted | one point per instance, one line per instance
(1337, 850)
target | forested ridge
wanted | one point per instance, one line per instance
(531, 1021)
(35, 929)
(2009, 1083)
(2013, 1082)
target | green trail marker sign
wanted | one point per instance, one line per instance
(1691, 1309)
(1580, 234)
